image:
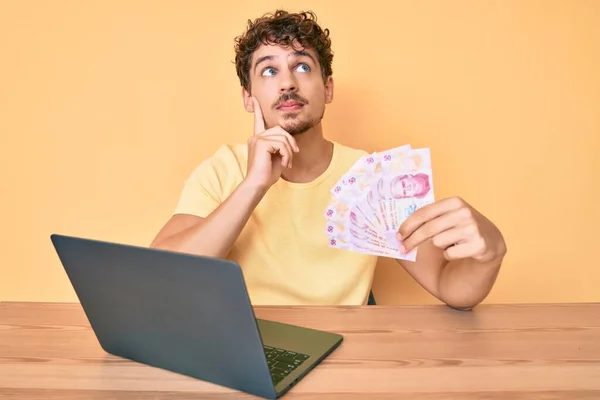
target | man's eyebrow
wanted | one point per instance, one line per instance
(301, 53)
(261, 59)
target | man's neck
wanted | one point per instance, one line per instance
(313, 158)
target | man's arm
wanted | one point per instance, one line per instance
(461, 284)
(460, 252)
(214, 235)
(269, 151)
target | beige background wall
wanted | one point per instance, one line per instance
(105, 107)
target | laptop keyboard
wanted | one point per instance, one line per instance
(282, 362)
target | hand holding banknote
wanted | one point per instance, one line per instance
(456, 228)
(384, 205)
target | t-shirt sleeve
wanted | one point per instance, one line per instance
(203, 190)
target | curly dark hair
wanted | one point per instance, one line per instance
(282, 27)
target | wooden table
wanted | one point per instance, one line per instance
(47, 351)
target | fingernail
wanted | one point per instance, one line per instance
(402, 249)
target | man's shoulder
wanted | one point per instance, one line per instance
(226, 164)
(227, 157)
(351, 149)
(231, 152)
(348, 154)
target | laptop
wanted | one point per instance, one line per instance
(187, 314)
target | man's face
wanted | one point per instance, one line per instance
(289, 87)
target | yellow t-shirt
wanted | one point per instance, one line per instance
(283, 249)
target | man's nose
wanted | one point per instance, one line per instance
(288, 83)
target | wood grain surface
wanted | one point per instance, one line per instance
(541, 352)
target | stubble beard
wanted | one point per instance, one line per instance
(297, 126)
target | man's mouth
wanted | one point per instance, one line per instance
(290, 105)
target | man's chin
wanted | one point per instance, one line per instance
(297, 127)
(297, 130)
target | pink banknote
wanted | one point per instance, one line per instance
(370, 202)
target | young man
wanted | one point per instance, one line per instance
(262, 203)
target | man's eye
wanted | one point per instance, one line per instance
(268, 72)
(304, 68)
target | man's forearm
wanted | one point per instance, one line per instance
(215, 235)
(465, 283)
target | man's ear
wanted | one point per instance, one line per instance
(247, 99)
(329, 90)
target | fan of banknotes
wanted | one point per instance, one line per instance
(370, 202)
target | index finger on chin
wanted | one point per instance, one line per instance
(259, 122)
